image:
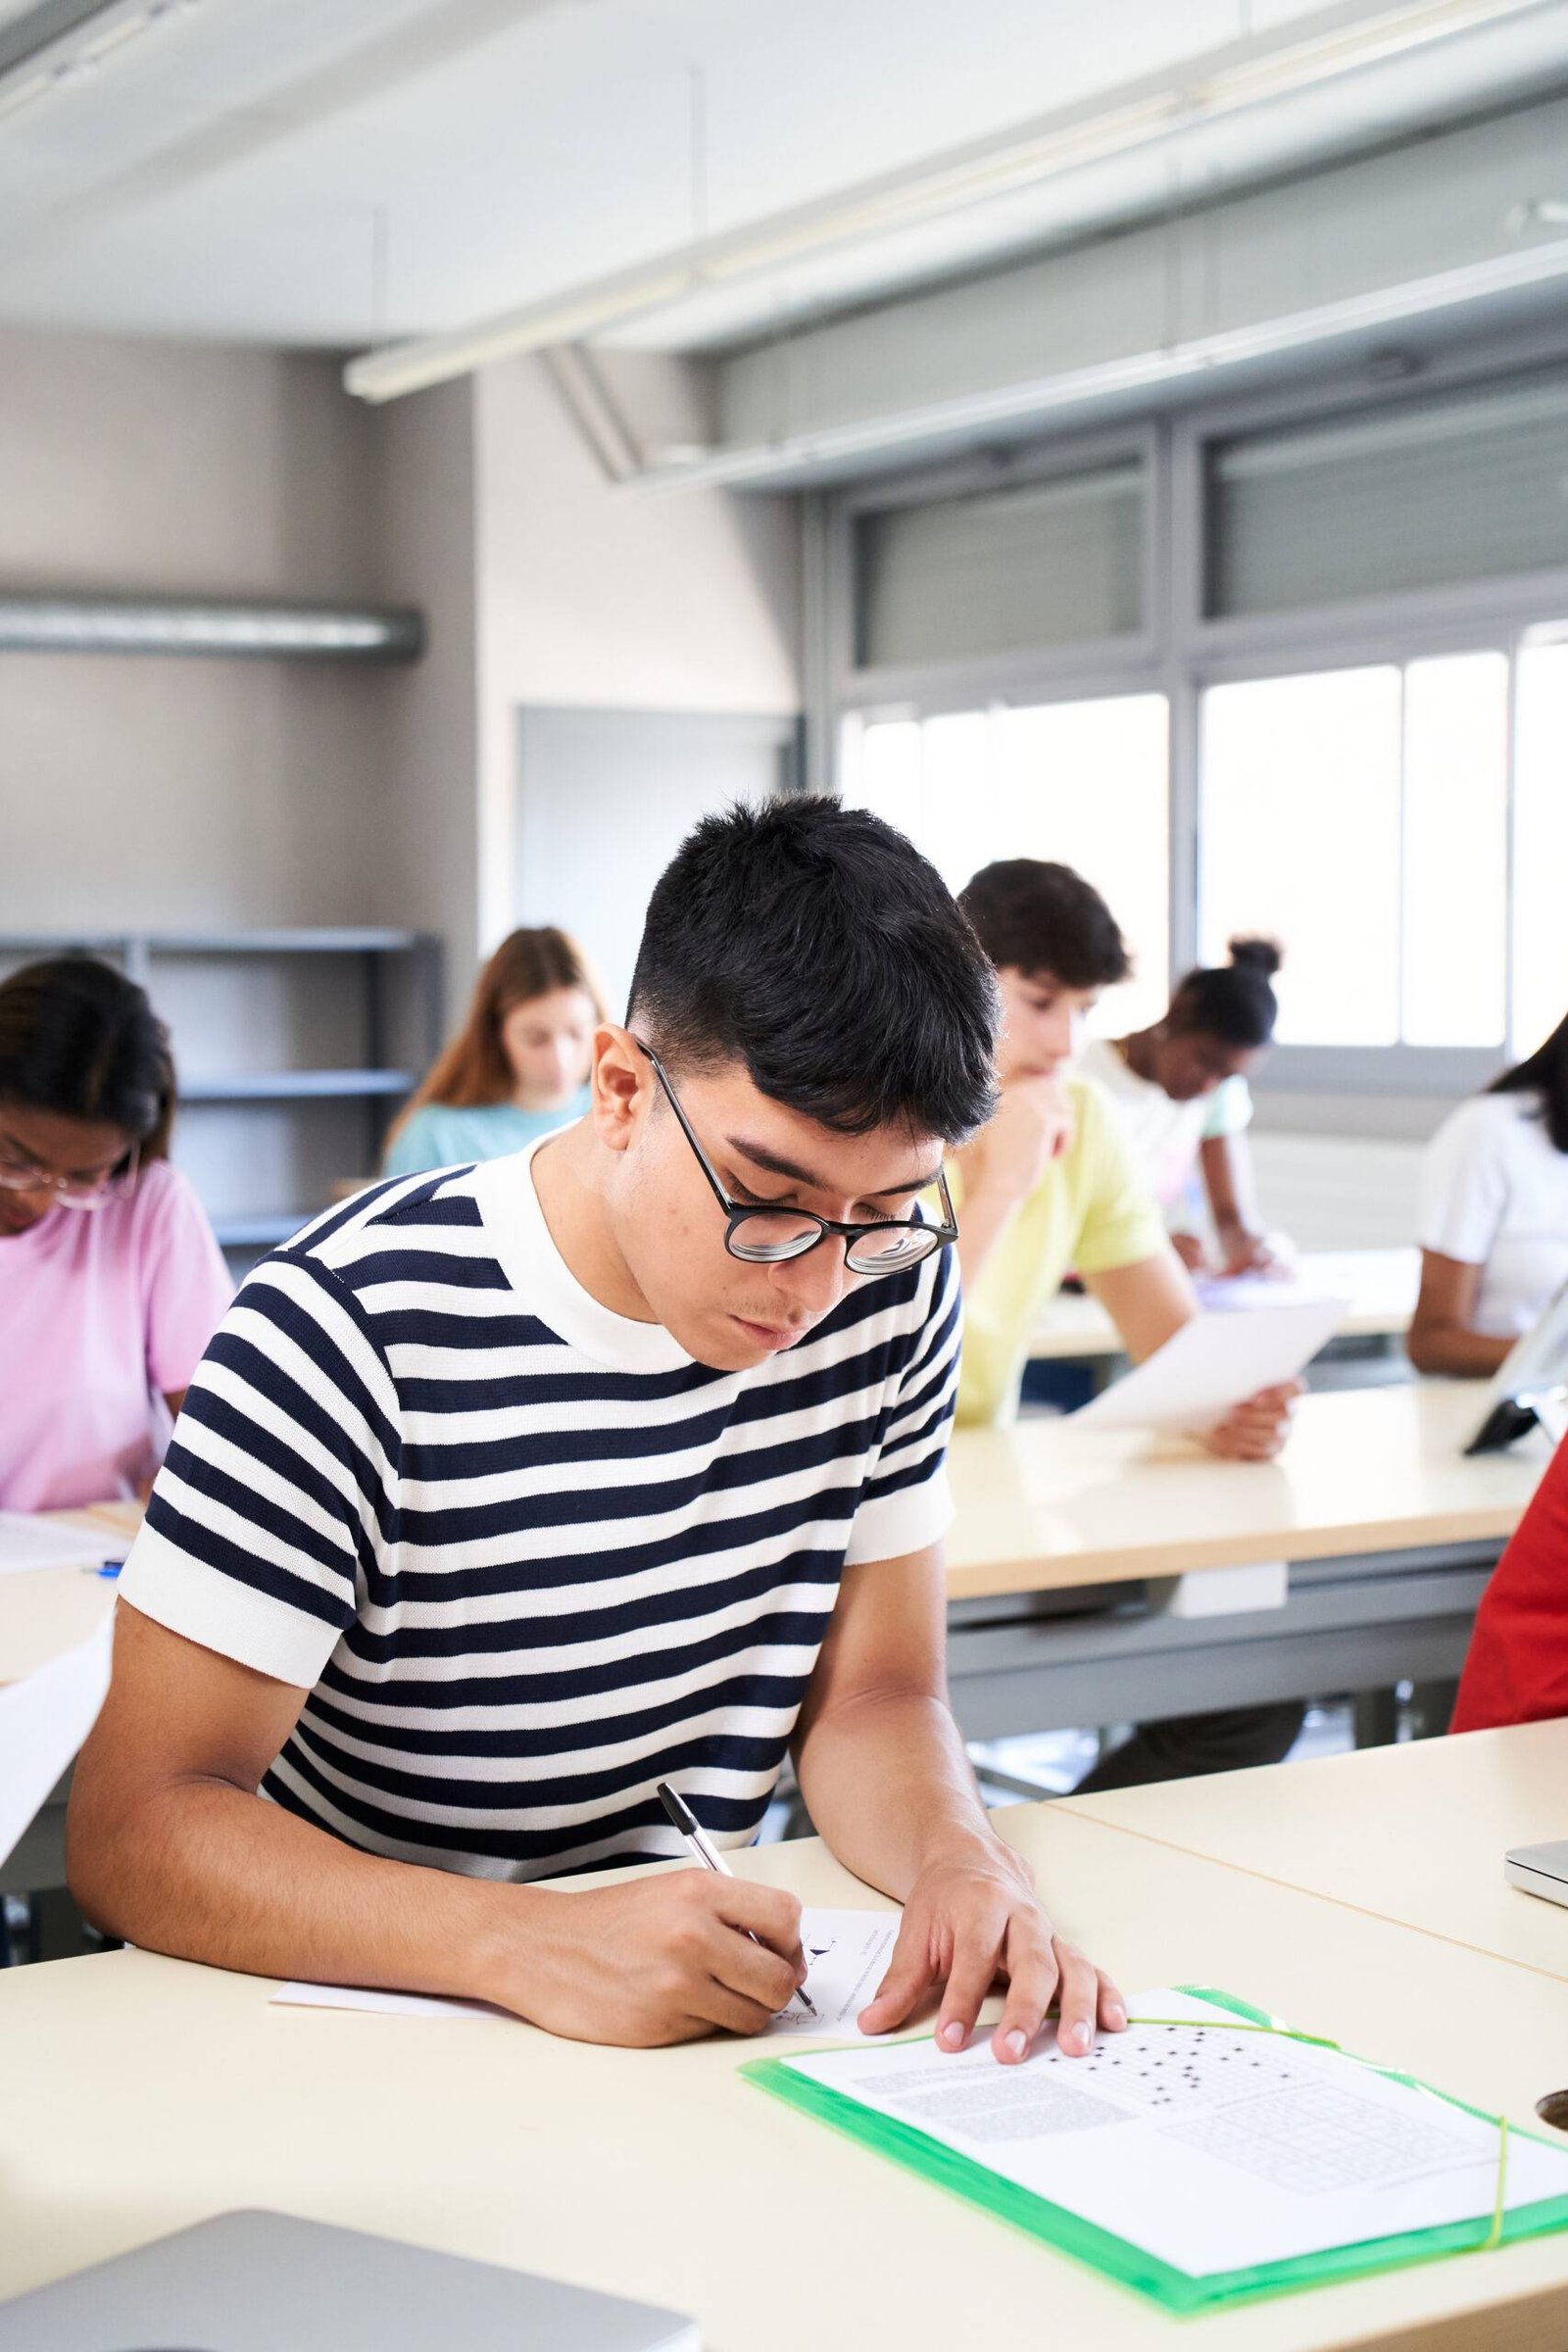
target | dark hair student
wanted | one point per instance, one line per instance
(110, 1279)
(1032, 916)
(1545, 1073)
(616, 1462)
(815, 946)
(1233, 1001)
(79, 1040)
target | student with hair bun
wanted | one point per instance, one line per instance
(1180, 1089)
(111, 1282)
(518, 1067)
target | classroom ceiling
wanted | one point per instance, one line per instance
(337, 173)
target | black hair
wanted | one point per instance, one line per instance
(1040, 918)
(815, 944)
(1233, 1001)
(1545, 1073)
(78, 1039)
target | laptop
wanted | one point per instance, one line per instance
(266, 2282)
(1532, 1386)
(1539, 1870)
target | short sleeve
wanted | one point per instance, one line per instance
(1230, 1111)
(1121, 1223)
(1464, 1184)
(185, 1284)
(278, 1497)
(410, 1152)
(906, 1503)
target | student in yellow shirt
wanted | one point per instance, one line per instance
(1049, 1187)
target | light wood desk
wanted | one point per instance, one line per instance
(1063, 1537)
(142, 2094)
(1413, 1834)
(1380, 1284)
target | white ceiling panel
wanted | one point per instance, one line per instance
(334, 172)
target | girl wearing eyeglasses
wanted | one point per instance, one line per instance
(111, 1282)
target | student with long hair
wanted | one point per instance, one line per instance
(1180, 1090)
(111, 1283)
(518, 1067)
(1494, 1217)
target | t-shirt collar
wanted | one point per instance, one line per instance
(545, 1284)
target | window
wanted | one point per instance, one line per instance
(1540, 845)
(1083, 783)
(1299, 836)
(1036, 564)
(1464, 486)
(1362, 816)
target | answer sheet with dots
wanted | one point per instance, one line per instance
(1216, 2148)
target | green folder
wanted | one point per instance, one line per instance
(1132, 2265)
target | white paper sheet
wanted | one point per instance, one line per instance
(1213, 2148)
(29, 1543)
(846, 1954)
(1213, 1363)
(43, 1721)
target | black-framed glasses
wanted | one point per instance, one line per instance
(760, 1236)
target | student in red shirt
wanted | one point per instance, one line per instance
(1517, 1668)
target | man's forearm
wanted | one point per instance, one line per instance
(205, 1871)
(887, 1782)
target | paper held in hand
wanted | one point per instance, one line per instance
(43, 1721)
(1204, 2156)
(1213, 1364)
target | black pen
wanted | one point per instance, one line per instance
(687, 1826)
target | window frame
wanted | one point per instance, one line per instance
(1180, 652)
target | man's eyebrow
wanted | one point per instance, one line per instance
(760, 1158)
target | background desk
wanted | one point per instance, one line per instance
(142, 2094)
(1064, 1539)
(1415, 1834)
(1380, 1284)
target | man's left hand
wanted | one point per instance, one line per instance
(973, 1918)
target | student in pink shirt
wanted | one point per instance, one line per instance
(111, 1282)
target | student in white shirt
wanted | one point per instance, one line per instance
(1494, 1217)
(1181, 1090)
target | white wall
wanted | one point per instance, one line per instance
(429, 797)
(603, 599)
(184, 792)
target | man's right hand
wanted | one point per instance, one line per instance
(656, 1960)
(1032, 1127)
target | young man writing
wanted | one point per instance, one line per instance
(504, 1493)
(1049, 1187)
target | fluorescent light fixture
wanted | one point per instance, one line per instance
(1281, 63)
(837, 446)
(63, 41)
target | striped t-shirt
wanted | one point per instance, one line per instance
(527, 1557)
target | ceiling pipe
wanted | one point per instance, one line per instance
(250, 628)
(1298, 56)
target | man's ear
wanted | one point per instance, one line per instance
(621, 1078)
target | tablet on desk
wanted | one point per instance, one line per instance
(1531, 1390)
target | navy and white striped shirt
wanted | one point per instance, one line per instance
(527, 1556)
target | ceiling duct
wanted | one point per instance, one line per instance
(233, 628)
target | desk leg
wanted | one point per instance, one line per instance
(1376, 1717)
